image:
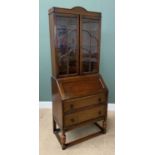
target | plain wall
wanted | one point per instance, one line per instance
(107, 53)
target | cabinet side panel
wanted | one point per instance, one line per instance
(57, 104)
(102, 81)
(53, 55)
(106, 94)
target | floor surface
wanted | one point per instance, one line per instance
(100, 145)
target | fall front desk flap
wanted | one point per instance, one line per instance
(80, 86)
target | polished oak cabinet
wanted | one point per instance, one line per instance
(79, 93)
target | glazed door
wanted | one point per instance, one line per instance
(66, 39)
(89, 44)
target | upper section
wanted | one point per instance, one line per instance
(80, 86)
(75, 41)
(75, 10)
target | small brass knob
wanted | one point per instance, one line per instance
(99, 112)
(71, 106)
(72, 120)
(99, 99)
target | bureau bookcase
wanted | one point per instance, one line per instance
(79, 93)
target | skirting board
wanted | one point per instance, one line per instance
(47, 104)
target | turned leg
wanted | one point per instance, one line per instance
(104, 126)
(63, 140)
(54, 126)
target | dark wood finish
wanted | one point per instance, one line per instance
(84, 115)
(74, 104)
(75, 10)
(80, 86)
(57, 105)
(84, 123)
(79, 93)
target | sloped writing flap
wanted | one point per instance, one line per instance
(80, 86)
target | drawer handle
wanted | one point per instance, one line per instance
(99, 112)
(99, 99)
(72, 120)
(71, 106)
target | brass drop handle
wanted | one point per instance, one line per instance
(71, 106)
(99, 112)
(99, 99)
(72, 120)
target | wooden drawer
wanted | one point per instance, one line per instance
(83, 102)
(78, 117)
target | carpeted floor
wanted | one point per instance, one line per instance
(100, 145)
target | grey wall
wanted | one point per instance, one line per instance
(107, 59)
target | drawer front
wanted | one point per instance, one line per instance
(83, 102)
(85, 115)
